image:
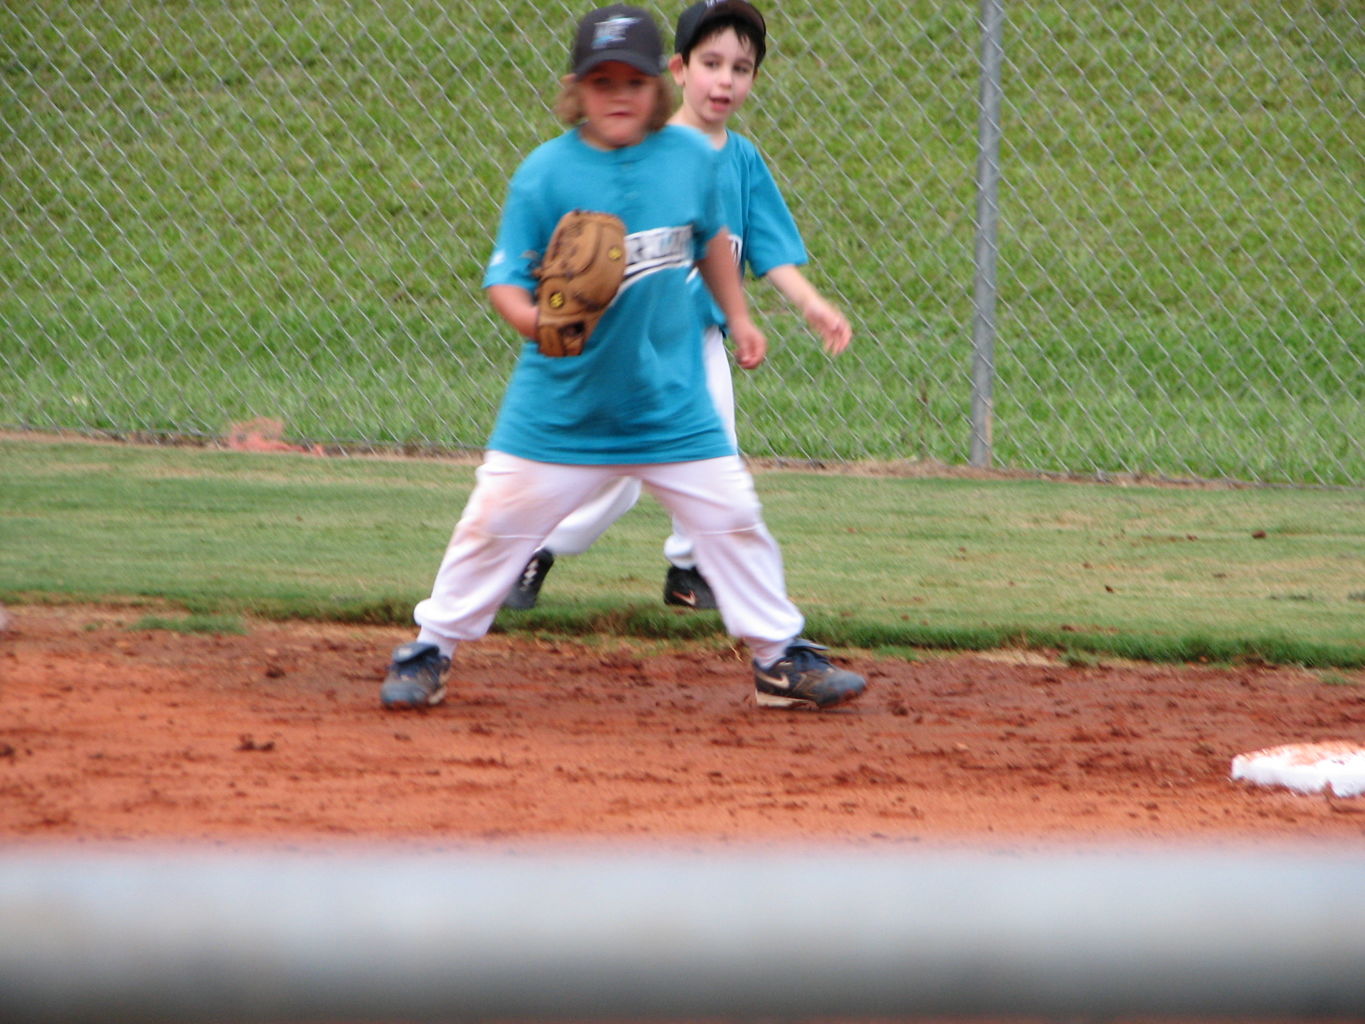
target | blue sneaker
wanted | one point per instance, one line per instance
(416, 677)
(803, 678)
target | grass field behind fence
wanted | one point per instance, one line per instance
(1087, 570)
(217, 212)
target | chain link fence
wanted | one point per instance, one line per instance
(213, 212)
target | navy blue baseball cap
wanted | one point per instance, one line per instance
(696, 18)
(618, 32)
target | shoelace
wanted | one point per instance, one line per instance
(805, 657)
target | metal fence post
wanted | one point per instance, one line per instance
(987, 217)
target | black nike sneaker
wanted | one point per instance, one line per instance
(524, 595)
(688, 589)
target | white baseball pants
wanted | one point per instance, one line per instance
(580, 529)
(517, 502)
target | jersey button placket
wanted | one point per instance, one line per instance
(628, 186)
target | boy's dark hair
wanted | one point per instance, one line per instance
(703, 20)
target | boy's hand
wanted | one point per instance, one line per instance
(721, 275)
(751, 345)
(820, 316)
(830, 324)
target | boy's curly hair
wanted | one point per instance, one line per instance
(569, 103)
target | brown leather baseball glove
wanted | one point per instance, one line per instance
(583, 267)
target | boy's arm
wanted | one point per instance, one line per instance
(721, 275)
(517, 306)
(824, 318)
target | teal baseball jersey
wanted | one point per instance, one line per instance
(762, 230)
(637, 394)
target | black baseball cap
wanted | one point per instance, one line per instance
(694, 20)
(618, 32)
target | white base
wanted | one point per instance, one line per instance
(1337, 767)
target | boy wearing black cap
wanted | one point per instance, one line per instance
(634, 405)
(719, 46)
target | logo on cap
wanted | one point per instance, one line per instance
(611, 31)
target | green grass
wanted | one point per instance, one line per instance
(1089, 570)
(210, 213)
(217, 624)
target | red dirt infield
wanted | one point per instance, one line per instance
(113, 733)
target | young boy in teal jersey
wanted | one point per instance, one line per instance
(718, 49)
(563, 432)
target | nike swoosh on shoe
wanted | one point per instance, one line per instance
(781, 682)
